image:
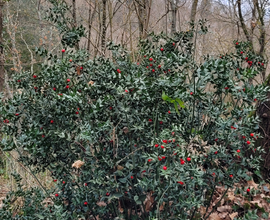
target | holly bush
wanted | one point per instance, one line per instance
(144, 139)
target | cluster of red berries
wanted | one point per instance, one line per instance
(6, 121)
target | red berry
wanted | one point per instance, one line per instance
(216, 152)
(180, 182)
(163, 157)
(262, 64)
(144, 171)
(238, 151)
(173, 44)
(255, 100)
(144, 56)
(162, 146)
(236, 43)
(85, 184)
(151, 64)
(188, 159)
(244, 137)
(213, 174)
(165, 141)
(54, 180)
(216, 139)
(56, 195)
(77, 113)
(156, 145)
(191, 93)
(138, 64)
(241, 52)
(248, 190)
(126, 91)
(110, 107)
(54, 88)
(169, 112)
(251, 134)
(85, 203)
(63, 182)
(43, 136)
(35, 88)
(231, 176)
(164, 168)
(159, 66)
(160, 159)
(81, 67)
(107, 194)
(51, 121)
(161, 122)
(68, 80)
(131, 177)
(173, 133)
(248, 142)
(17, 114)
(150, 120)
(153, 70)
(149, 160)
(135, 145)
(70, 60)
(226, 87)
(18, 80)
(182, 162)
(67, 87)
(246, 58)
(34, 76)
(63, 50)
(161, 49)
(150, 59)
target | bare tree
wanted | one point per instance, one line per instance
(174, 7)
(104, 26)
(193, 10)
(2, 61)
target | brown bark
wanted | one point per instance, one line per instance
(242, 22)
(104, 27)
(174, 4)
(193, 10)
(2, 69)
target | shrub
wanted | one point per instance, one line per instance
(134, 140)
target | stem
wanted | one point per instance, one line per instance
(158, 211)
(217, 203)
(15, 142)
(210, 200)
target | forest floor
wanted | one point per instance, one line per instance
(3, 190)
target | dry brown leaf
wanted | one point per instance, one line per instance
(101, 204)
(214, 216)
(77, 164)
(223, 214)
(119, 167)
(78, 70)
(91, 83)
(149, 201)
(233, 215)
(231, 196)
(225, 208)
(202, 210)
(252, 184)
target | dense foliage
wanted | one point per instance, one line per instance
(136, 140)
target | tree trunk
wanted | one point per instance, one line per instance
(193, 10)
(74, 16)
(2, 69)
(174, 12)
(104, 28)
